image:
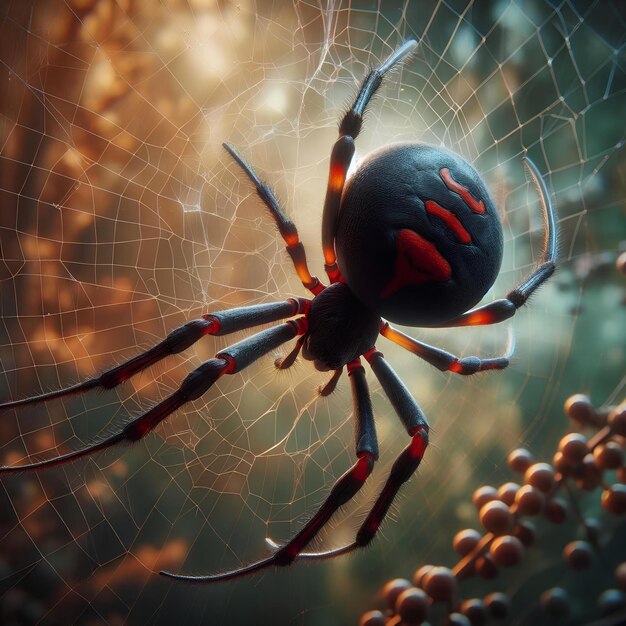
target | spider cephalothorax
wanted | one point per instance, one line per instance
(419, 242)
(340, 328)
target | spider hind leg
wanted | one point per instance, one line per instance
(342, 492)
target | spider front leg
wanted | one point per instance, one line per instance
(343, 152)
(229, 361)
(343, 491)
(286, 227)
(500, 310)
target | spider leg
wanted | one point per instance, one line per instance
(183, 337)
(343, 151)
(414, 420)
(344, 489)
(232, 359)
(286, 227)
(500, 310)
(445, 361)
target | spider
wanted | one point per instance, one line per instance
(412, 237)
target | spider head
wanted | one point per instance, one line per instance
(340, 328)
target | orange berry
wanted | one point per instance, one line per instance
(520, 460)
(496, 517)
(475, 611)
(507, 492)
(617, 420)
(506, 551)
(620, 574)
(497, 604)
(529, 500)
(485, 567)
(555, 510)
(579, 408)
(482, 495)
(578, 554)
(412, 606)
(614, 499)
(420, 573)
(608, 456)
(540, 476)
(525, 532)
(556, 602)
(372, 618)
(440, 583)
(465, 541)
(393, 589)
(574, 447)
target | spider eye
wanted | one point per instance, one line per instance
(418, 237)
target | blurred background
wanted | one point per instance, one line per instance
(121, 217)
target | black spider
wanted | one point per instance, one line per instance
(413, 236)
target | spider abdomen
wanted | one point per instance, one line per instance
(418, 237)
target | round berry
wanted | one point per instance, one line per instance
(525, 532)
(484, 494)
(611, 600)
(593, 530)
(520, 460)
(393, 589)
(614, 499)
(412, 606)
(420, 573)
(440, 583)
(621, 475)
(475, 611)
(574, 447)
(372, 618)
(555, 510)
(540, 476)
(529, 500)
(506, 551)
(562, 465)
(617, 420)
(556, 602)
(579, 408)
(620, 575)
(497, 604)
(608, 456)
(465, 541)
(590, 476)
(578, 554)
(458, 619)
(496, 517)
(485, 567)
(507, 492)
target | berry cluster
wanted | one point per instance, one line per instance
(581, 463)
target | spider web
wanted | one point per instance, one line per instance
(122, 217)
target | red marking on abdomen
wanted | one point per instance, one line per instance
(417, 261)
(477, 206)
(450, 220)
